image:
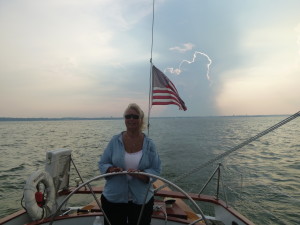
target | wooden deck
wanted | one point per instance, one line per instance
(179, 210)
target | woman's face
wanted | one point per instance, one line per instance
(132, 120)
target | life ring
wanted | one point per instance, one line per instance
(36, 212)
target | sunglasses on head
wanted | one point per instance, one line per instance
(129, 116)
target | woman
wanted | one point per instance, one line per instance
(132, 151)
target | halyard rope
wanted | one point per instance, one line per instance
(237, 147)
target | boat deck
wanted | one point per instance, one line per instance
(178, 211)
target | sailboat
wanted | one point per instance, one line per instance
(170, 205)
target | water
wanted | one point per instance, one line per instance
(261, 179)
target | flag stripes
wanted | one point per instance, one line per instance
(163, 90)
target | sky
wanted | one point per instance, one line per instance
(91, 58)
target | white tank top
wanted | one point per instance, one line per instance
(132, 160)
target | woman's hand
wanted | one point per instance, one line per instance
(139, 176)
(114, 169)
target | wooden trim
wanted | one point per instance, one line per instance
(96, 190)
(12, 216)
(205, 198)
(165, 192)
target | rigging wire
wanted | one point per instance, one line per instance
(255, 206)
(237, 147)
(273, 188)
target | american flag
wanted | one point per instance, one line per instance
(163, 90)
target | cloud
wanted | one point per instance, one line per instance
(65, 53)
(297, 30)
(62, 51)
(186, 47)
(178, 70)
(265, 79)
(255, 93)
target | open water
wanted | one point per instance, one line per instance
(262, 180)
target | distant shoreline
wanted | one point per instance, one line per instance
(56, 119)
(3, 119)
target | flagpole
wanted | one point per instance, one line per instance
(151, 64)
(150, 98)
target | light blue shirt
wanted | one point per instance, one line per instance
(118, 187)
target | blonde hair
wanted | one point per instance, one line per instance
(138, 109)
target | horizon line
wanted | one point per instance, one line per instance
(117, 118)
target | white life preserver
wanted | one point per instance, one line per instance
(36, 212)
